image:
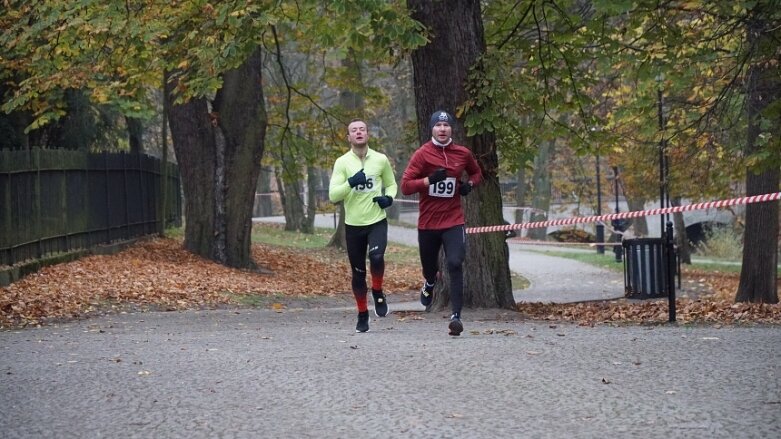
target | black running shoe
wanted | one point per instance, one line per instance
(455, 326)
(380, 304)
(363, 322)
(426, 295)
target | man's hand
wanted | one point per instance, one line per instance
(465, 189)
(437, 176)
(358, 178)
(384, 201)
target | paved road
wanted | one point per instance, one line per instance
(302, 373)
(306, 373)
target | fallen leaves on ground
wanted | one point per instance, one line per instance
(714, 307)
(703, 310)
(159, 274)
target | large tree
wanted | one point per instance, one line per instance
(219, 151)
(117, 51)
(441, 80)
(759, 272)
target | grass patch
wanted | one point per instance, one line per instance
(401, 253)
(519, 282)
(714, 267)
(606, 260)
(259, 300)
(722, 243)
(175, 232)
(399, 223)
(275, 234)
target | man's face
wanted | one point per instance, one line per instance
(357, 133)
(442, 132)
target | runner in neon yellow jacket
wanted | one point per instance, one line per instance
(363, 179)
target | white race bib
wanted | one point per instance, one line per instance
(373, 184)
(444, 189)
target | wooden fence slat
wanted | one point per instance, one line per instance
(38, 190)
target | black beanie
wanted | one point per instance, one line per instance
(440, 116)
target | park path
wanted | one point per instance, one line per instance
(305, 373)
(552, 279)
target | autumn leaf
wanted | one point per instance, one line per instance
(159, 274)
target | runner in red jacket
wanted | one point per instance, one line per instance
(435, 173)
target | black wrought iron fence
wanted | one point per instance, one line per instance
(55, 201)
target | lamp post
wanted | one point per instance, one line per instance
(615, 185)
(618, 225)
(663, 199)
(668, 255)
(600, 228)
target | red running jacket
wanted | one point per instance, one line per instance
(440, 203)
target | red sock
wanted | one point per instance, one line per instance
(360, 300)
(377, 283)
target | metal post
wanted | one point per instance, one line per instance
(617, 249)
(37, 203)
(600, 228)
(664, 198)
(669, 269)
(660, 99)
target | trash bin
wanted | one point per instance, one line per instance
(644, 270)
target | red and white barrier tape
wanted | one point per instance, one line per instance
(396, 200)
(660, 211)
(525, 241)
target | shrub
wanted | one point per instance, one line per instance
(721, 243)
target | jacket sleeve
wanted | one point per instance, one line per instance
(389, 180)
(338, 187)
(413, 180)
(473, 170)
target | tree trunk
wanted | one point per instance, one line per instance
(13, 124)
(293, 205)
(135, 134)
(520, 194)
(193, 139)
(541, 189)
(219, 156)
(681, 239)
(639, 225)
(339, 238)
(440, 71)
(263, 205)
(242, 120)
(759, 272)
(76, 130)
(308, 224)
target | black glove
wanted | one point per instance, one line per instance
(383, 201)
(465, 188)
(358, 178)
(437, 176)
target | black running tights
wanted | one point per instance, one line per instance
(453, 240)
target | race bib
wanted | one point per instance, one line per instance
(373, 184)
(444, 189)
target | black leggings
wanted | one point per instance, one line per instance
(373, 237)
(454, 242)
